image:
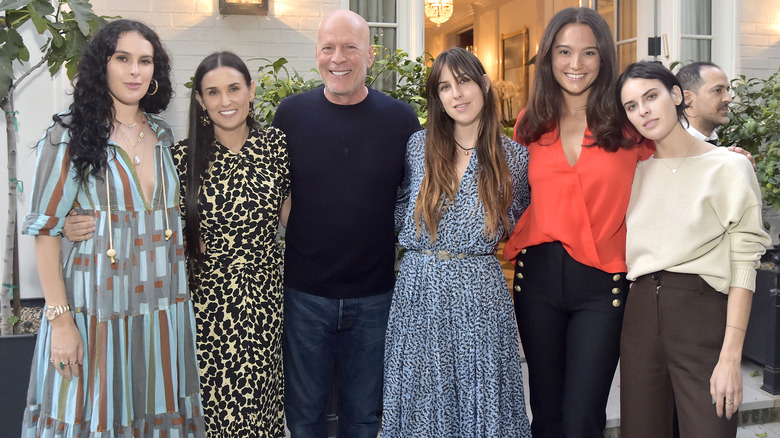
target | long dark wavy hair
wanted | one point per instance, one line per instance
(201, 146)
(440, 182)
(546, 103)
(92, 110)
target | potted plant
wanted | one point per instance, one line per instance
(67, 26)
(755, 126)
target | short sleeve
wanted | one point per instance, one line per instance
(54, 185)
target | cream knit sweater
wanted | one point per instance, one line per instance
(705, 219)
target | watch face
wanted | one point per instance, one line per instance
(49, 313)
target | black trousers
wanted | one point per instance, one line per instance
(569, 316)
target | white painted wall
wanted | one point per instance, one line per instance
(759, 46)
(190, 29)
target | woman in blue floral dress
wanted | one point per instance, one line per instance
(452, 357)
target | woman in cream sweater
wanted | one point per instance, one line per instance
(694, 241)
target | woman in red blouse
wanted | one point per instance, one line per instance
(569, 245)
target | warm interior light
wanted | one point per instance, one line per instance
(438, 11)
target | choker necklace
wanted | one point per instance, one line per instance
(133, 144)
(466, 151)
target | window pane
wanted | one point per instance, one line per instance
(384, 36)
(626, 20)
(695, 50)
(606, 9)
(626, 55)
(697, 17)
(377, 11)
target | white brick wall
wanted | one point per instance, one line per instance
(759, 45)
(191, 29)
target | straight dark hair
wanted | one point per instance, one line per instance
(201, 146)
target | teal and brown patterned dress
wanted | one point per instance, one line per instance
(139, 375)
(238, 292)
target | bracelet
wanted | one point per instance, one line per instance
(735, 327)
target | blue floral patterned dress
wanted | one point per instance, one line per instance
(452, 356)
(139, 376)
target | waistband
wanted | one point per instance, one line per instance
(446, 255)
(666, 278)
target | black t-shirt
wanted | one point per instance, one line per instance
(346, 162)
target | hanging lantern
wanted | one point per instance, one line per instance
(438, 11)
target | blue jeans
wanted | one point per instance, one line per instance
(320, 333)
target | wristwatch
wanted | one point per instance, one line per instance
(52, 312)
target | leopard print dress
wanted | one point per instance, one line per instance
(238, 298)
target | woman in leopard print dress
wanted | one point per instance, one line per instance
(234, 180)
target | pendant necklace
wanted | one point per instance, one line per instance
(674, 169)
(466, 151)
(133, 144)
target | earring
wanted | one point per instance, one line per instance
(156, 87)
(251, 110)
(204, 119)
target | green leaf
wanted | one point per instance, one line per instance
(23, 54)
(57, 41)
(7, 5)
(39, 22)
(83, 14)
(13, 319)
(278, 64)
(75, 43)
(43, 7)
(54, 67)
(71, 68)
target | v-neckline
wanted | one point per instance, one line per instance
(136, 180)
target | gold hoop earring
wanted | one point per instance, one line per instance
(156, 87)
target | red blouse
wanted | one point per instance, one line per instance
(582, 206)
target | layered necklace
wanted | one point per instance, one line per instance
(136, 158)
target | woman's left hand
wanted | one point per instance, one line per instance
(726, 386)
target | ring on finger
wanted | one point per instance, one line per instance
(62, 365)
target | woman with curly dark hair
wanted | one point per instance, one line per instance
(116, 351)
(234, 179)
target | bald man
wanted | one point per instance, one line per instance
(346, 144)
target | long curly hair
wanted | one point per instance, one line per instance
(440, 183)
(546, 103)
(201, 145)
(92, 111)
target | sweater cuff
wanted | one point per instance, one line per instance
(744, 276)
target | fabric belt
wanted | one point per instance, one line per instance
(446, 255)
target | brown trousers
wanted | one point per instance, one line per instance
(673, 331)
